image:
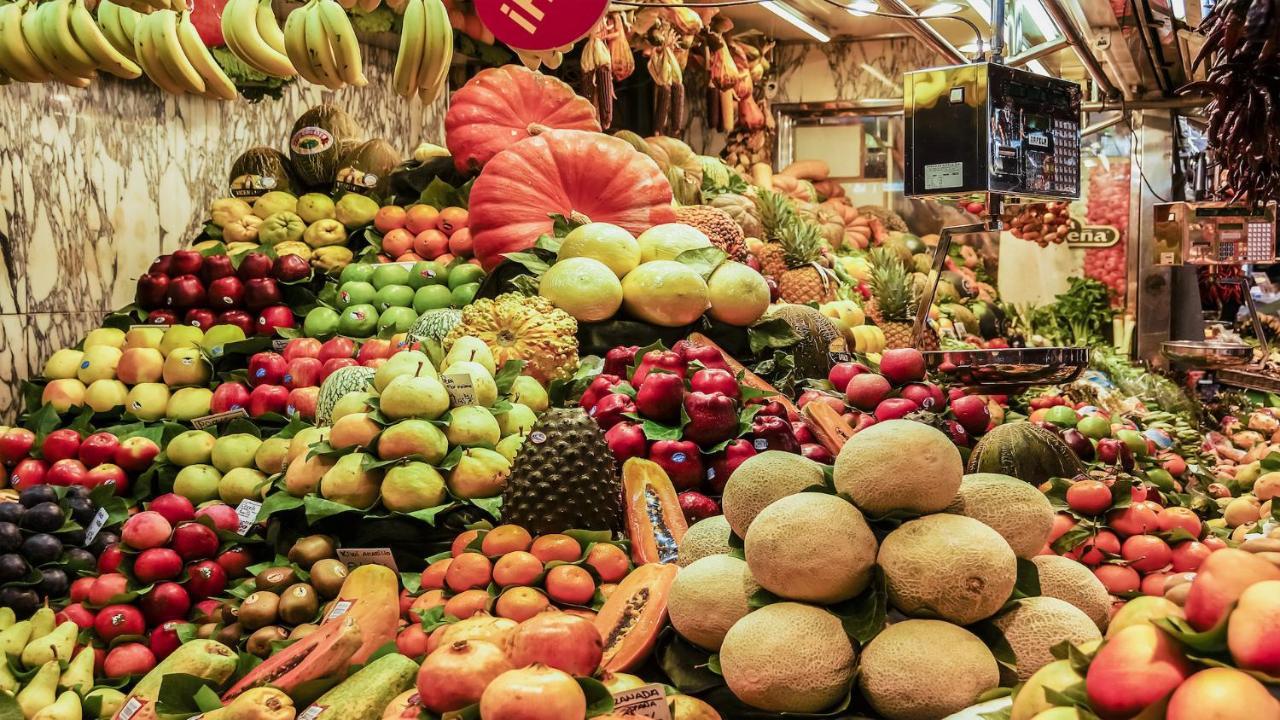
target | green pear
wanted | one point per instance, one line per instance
(109, 703)
(528, 391)
(479, 473)
(350, 404)
(14, 639)
(473, 349)
(197, 483)
(234, 451)
(413, 486)
(271, 454)
(193, 447)
(67, 707)
(43, 622)
(348, 483)
(8, 682)
(57, 645)
(79, 674)
(519, 420)
(178, 336)
(41, 691)
(413, 437)
(409, 362)
(472, 425)
(242, 484)
(303, 475)
(483, 387)
(408, 396)
(509, 446)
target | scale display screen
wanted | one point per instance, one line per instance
(1215, 234)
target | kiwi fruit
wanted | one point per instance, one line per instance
(230, 634)
(275, 579)
(259, 610)
(259, 642)
(298, 604)
(303, 630)
(311, 549)
(206, 631)
(327, 577)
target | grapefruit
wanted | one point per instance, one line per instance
(665, 292)
(738, 294)
(585, 288)
(609, 244)
(665, 242)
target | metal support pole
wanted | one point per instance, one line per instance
(1067, 26)
(1103, 125)
(1037, 52)
(997, 31)
(924, 32)
(990, 223)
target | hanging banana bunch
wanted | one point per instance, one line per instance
(426, 51)
(597, 75)
(253, 35)
(171, 53)
(60, 41)
(321, 46)
(623, 62)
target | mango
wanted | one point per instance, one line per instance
(206, 659)
(1138, 667)
(1222, 694)
(1222, 578)
(1253, 632)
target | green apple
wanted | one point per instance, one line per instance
(519, 420)
(111, 337)
(396, 320)
(356, 293)
(186, 366)
(479, 473)
(242, 484)
(321, 322)
(355, 210)
(482, 384)
(220, 335)
(413, 437)
(189, 403)
(63, 394)
(428, 272)
(274, 202)
(63, 364)
(1094, 426)
(413, 486)
(314, 207)
(147, 401)
(528, 391)
(409, 396)
(193, 447)
(271, 454)
(103, 395)
(408, 362)
(393, 296)
(178, 336)
(351, 403)
(357, 272)
(1135, 440)
(99, 363)
(431, 297)
(234, 451)
(472, 348)
(390, 274)
(464, 295)
(197, 483)
(465, 274)
(143, 337)
(472, 425)
(359, 321)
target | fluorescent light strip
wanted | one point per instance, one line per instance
(1041, 19)
(1037, 67)
(862, 8)
(793, 16)
(942, 8)
(982, 7)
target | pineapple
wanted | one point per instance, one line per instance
(804, 280)
(894, 299)
(776, 212)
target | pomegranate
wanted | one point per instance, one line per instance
(456, 675)
(533, 693)
(561, 641)
(483, 627)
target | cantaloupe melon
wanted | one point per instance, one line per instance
(925, 670)
(1068, 580)
(1015, 509)
(788, 657)
(708, 597)
(811, 547)
(760, 480)
(704, 538)
(948, 566)
(899, 465)
(1035, 624)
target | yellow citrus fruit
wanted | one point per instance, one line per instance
(665, 292)
(586, 289)
(665, 242)
(738, 294)
(609, 244)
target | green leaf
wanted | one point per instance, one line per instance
(703, 261)
(412, 581)
(1028, 584)
(863, 617)
(599, 699)
(492, 506)
(440, 195)
(207, 699)
(773, 333)
(507, 375)
(550, 243)
(178, 694)
(562, 225)
(278, 502)
(531, 262)
(319, 508)
(429, 515)
(654, 430)
(686, 665)
(1211, 641)
(760, 598)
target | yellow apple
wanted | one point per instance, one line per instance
(147, 401)
(99, 363)
(143, 337)
(63, 394)
(110, 337)
(180, 336)
(189, 403)
(186, 366)
(140, 365)
(63, 364)
(102, 395)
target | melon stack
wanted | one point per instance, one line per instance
(948, 547)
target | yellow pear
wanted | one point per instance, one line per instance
(8, 683)
(256, 703)
(14, 639)
(79, 674)
(41, 691)
(57, 645)
(7, 618)
(67, 707)
(111, 700)
(43, 622)
(473, 349)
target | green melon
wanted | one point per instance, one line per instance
(1024, 451)
(434, 325)
(356, 378)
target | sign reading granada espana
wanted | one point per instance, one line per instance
(540, 24)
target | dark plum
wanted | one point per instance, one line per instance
(104, 539)
(12, 567)
(1079, 444)
(78, 491)
(44, 517)
(42, 548)
(78, 559)
(81, 509)
(24, 601)
(73, 537)
(37, 494)
(10, 537)
(12, 512)
(53, 583)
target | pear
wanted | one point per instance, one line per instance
(79, 674)
(411, 362)
(7, 618)
(57, 645)
(67, 707)
(528, 391)
(14, 640)
(519, 420)
(43, 622)
(473, 349)
(481, 379)
(41, 690)
(8, 683)
(472, 425)
(350, 404)
(110, 702)
(408, 396)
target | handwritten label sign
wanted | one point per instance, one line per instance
(95, 526)
(646, 701)
(460, 388)
(354, 557)
(540, 24)
(208, 421)
(247, 511)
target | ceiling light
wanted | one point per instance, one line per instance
(982, 7)
(942, 8)
(1037, 67)
(1041, 19)
(793, 16)
(861, 8)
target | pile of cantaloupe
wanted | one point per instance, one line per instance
(950, 566)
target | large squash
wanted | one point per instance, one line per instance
(585, 176)
(502, 106)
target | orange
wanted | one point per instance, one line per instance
(433, 576)
(465, 604)
(420, 217)
(411, 257)
(426, 601)
(452, 219)
(556, 547)
(461, 542)
(397, 242)
(570, 584)
(516, 568)
(506, 539)
(609, 562)
(468, 570)
(389, 218)
(520, 603)
(431, 243)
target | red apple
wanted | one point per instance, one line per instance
(162, 317)
(223, 516)
(108, 563)
(128, 659)
(332, 365)
(153, 288)
(267, 368)
(236, 562)
(926, 395)
(16, 444)
(194, 541)
(338, 347)
(302, 347)
(626, 440)
(77, 613)
(114, 621)
(290, 268)
(972, 412)
(894, 409)
(658, 398)
(136, 454)
(709, 380)
(867, 390)
(98, 448)
(373, 349)
(726, 461)
(202, 318)
(261, 292)
(254, 265)
(205, 579)
(817, 453)
(225, 292)
(164, 639)
(26, 473)
(229, 396)
(275, 316)
(60, 445)
(682, 461)
(611, 408)
(217, 266)
(173, 507)
(107, 474)
(185, 262)
(303, 372)
(302, 401)
(842, 373)
(66, 472)
(107, 585)
(185, 291)
(240, 318)
(268, 399)
(155, 564)
(832, 401)
(146, 530)
(902, 365)
(162, 265)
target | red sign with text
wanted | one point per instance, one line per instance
(540, 24)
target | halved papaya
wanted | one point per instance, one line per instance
(655, 521)
(324, 653)
(632, 617)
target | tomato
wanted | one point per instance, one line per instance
(206, 15)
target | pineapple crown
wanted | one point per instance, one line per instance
(776, 212)
(801, 243)
(892, 286)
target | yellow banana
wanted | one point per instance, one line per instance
(295, 44)
(346, 50)
(171, 54)
(98, 47)
(33, 33)
(15, 54)
(240, 27)
(216, 83)
(108, 21)
(56, 25)
(268, 27)
(146, 44)
(437, 55)
(128, 19)
(319, 50)
(409, 57)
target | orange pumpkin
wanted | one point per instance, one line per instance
(585, 176)
(502, 106)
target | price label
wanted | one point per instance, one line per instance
(247, 511)
(130, 708)
(540, 24)
(354, 557)
(312, 712)
(340, 608)
(461, 390)
(95, 526)
(646, 701)
(279, 344)
(208, 421)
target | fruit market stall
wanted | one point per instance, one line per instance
(557, 420)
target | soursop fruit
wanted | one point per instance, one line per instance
(564, 478)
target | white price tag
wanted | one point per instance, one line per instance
(95, 526)
(247, 511)
(312, 712)
(202, 423)
(130, 708)
(943, 175)
(646, 701)
(340, 608)
(279, 344)
(354, 557)
(461, 391)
